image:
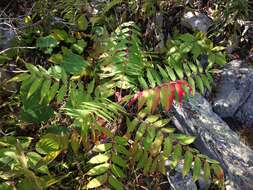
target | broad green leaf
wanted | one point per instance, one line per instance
(115, 183)
(156, 146)
(121, 149)
(143, 159)
(75, 141)
(199, 84)
(150, 135)
(218, 171)
(192, 84)
(45, 89)
(102, 147)
(116, 159)
(46, 42)
(176, 155)
(98, 159)
(59, 35)
(196, 169)
(73, 63)
(148, 165)
(36, 85)
(143, 83)
(185, 139)
(171, 73)
(99, 169)
(52, 92)
(163, 73)
(188, 157)
(131, 125)
(48, 158)
(6, 186)
(61, 93)
(117, 171)
(82, 22)
(168, 146)
(179, 70)
(193, 68)
(96, 182)
(151, 80)
(207, 171)
(48, 143)
(206, 82)
(140, 132)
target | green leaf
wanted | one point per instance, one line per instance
(99, 169)
(52, 92)
(148, 165)
(176, 155)
(62, 92)
(75, 141)
(188, 157)
(98, 159)
(116, 159)
(48, 143)
(163, 73)
(207, 171)
(117, 171)
(143, 159)
(168, 146)
(143, 83)
(46, 42)
(199, 84)
(45, 89)
(196, 169)
(96, 182)
(193, 68)
(73, 63)
(171, 73)
(178, 70)
(36, 84)
(206, 82)
(59, 35)
(151, 80)
(185, 139)
(48, 158)
(151, 133)
(116, 184)
(82, 23)
(192, 84)
(156, 146)
(102, 147)
(5, 186)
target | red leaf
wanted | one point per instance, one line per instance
(166, 91)
(156, 99)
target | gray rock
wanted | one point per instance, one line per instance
(234, 97)
(177, 181)
(197, 21)
(6, 36)
(217, 140)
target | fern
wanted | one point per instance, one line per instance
(124, 60)
(183, 60)
(146, 145)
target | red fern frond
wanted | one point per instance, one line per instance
(163, 94)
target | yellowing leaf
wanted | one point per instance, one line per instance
(102, 147)
(188, 157)
(98, 159)
(96, 182)
(99, 169)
